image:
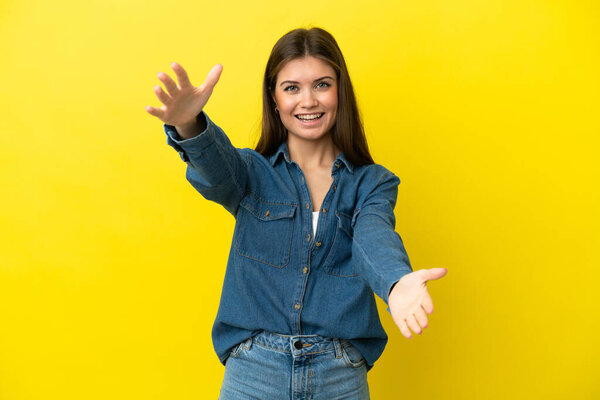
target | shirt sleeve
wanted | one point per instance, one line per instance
(215, 168)
(377, 248)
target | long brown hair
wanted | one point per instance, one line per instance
(347, 133)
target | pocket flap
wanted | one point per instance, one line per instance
(266, 210)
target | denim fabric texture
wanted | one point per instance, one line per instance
(270, 366)
(280, 277)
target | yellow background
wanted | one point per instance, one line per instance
(111, 265)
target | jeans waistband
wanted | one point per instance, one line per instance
(297, 345)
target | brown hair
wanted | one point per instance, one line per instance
(347, 132)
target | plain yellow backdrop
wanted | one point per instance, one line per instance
(111, 265)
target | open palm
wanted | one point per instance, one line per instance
(182, 103)
(410, 302)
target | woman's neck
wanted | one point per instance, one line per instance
(312, 154)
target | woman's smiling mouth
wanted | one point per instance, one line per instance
(309, 117)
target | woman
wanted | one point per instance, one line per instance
(314, 235)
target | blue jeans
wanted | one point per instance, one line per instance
(271, 366)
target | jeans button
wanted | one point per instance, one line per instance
(298, 345)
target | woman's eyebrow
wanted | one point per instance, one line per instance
(323, 77)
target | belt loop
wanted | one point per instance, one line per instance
(338, 348)
(248, 344)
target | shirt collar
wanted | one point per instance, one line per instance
(282, 150)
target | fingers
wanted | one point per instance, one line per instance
(416, 322)
(212, 78)
(169, 83)
(182, 76)
(404, 329)
(162, 96)
(157, 112)
(421, 317)
(412, 323)
(427, 303)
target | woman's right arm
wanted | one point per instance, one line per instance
(215, 167)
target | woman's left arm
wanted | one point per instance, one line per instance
(383, 262)
(377, 249)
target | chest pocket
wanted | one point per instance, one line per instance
(339, 260)
(264, 230)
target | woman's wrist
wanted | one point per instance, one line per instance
(191, 129)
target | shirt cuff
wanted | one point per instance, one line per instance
(186, 147)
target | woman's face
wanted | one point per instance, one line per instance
(306, 95)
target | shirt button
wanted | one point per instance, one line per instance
(324, 210)
(297, 306)
(337, 164)
(318, 244)
(308, 237)
(307, 205)
(334, 187)
(304, 270)
(298, 345)
(267, 213)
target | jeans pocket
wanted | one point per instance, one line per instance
(236, 350)
(352, 357)
(263, 230)
(241, 347)
(339, 259)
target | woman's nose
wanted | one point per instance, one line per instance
(308, 99)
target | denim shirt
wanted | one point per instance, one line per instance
(279, 276)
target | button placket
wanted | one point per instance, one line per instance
(302, 278)
(323, 210)
(307, 221)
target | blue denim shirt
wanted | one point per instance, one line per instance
(279, 277)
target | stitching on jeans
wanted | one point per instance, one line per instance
(347, 359)
(283, 351)
(320, 352)
(310, 380)
(269, 347)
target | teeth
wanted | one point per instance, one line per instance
(309, 116)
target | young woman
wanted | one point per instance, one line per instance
(314, 236)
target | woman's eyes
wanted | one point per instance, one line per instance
(293, 87)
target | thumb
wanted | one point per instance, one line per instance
(213, 76)
(434, 273)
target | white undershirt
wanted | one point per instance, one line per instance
(314, 222)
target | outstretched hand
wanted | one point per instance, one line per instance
(409, 301)
(182, 103)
